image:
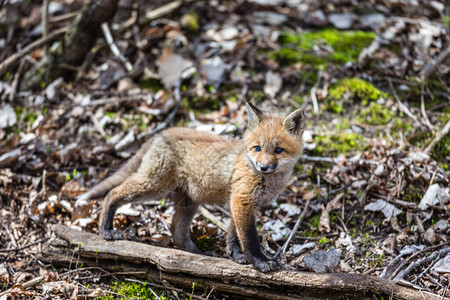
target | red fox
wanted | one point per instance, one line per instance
(193, 168)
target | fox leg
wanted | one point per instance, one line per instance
(233, 247)
(185, 210)
(133, 188)
(242, 212)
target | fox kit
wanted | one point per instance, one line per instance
(194, 168)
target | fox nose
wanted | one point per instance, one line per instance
(269, 168)
(264, 168)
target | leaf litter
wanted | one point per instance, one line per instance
(374, 193)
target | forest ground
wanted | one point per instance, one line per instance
(376, 166)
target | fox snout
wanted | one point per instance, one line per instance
(266, 168)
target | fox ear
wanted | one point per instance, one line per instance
(254, 115)
(295, 122)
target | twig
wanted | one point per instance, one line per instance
(431, 66)
(403, 107)
(114, 49)
(422, 108)
(16, 80)
(34, 45)
(426, 270)
(96, 124)
(398, 269)
(396, 259)
(26, 246)
(25, 285)
(317, 158)
(445, 290)
(313, 93)
(11, 235)
(420, 262)
(207, 214)
(44, 23)
(297, 225)
(444, 132)
(162, 10)
(64, 17)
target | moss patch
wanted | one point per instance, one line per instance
(355, 89)
(322, 47)
(375, 114)
(205, 243)
(134, 291)
(342, 142)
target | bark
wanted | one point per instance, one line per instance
(73, 46)
(184, 268)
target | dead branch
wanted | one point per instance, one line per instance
(163, 10)
(431, 66)
(207, 214)
(294, 231)
(421, 262)
(73, 47)
(4, 66)
(183, 268)
(444, 132)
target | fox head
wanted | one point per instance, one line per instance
(273, 142)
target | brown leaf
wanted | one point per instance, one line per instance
(72, 189)
(324, 222)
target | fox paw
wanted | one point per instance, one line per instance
(112, 234)
(237, 256)
(266, 265)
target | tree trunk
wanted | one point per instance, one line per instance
(184, 268)
(73, 46)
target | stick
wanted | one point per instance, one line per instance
(34, 45)
(422, 108)
(444, 132)
(402, 106)
(297, 225)
(25, 285)
(114, 49)
(183, 268)
(422, 261)
(398, 269)
(207, 214)
(44, 23)
(313, 93)
(317, 158)
(162, 10)
(26, 246)
(15, 82)
(431, 66)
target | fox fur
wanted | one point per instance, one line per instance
(194, 168)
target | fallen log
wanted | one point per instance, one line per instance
(184, 268)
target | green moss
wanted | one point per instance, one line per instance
(375, 114)
(413, 193)
(151, 83)
(344, 142)
(399, 125)
(205, 243)
(344, 46)
(133, 290)
(191, 21)
(334, 106)
(323, 240)
(355, 88)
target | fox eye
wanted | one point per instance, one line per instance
(257, 148)
(278, 150)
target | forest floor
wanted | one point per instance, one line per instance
(376, 166)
